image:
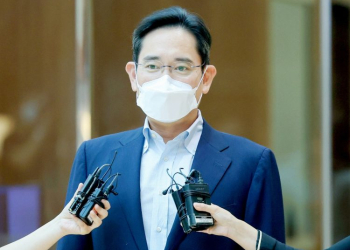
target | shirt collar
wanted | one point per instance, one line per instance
(190, 136)
(193, 134)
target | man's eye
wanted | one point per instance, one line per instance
(181, 68)
(152, 66)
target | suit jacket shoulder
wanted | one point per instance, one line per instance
(239, 149)
(115, 140)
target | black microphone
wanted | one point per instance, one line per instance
(166, 190)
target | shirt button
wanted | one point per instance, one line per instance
(166, 158)
(145, 146)
(154, 135)
(159, 229)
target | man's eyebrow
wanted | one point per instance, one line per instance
(178, 59)
(183, 59)
(149, 58)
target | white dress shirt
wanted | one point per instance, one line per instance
(158, 210)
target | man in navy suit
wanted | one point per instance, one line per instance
(170, 72)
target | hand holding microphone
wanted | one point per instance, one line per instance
(70, 224)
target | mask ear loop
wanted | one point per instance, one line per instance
(137, 83)
(200, 98)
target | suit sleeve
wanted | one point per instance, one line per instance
(269, 243)
(344, 244)
(78, 175)
(264, 206)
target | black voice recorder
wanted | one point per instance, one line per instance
(194, 190)
(93, 191)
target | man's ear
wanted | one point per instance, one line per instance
(131, 70)
(208, 78)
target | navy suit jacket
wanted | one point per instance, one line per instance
(242, 176)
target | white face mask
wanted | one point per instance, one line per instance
(167, 100)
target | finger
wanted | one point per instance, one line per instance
(202, 207)
(80, 186)
(212, 209)
(107, 204)
(96, 220)
(102, 213)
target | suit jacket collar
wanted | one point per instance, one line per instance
(129, 162)
(208, 160)
(212, 164)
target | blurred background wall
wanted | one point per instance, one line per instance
(267, 89)
(37, 114)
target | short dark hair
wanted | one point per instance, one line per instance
(174, 17)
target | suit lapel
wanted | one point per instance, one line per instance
(128, 162)
(176, 235)
(212, 164)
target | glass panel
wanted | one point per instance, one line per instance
(341, 119)
(294, 113)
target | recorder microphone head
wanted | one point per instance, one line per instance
(165, 192)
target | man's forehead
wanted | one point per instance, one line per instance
(174, 43)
